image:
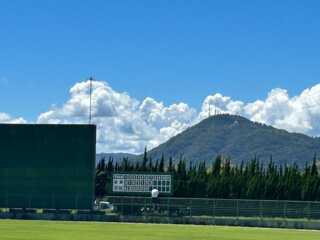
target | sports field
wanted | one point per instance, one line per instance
(50, 230)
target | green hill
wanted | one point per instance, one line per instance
(240, 139)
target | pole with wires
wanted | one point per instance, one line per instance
(90, 104)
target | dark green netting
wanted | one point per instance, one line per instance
(47, 166)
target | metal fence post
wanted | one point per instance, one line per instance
(285, 210)
(168, 206)
(214, 211)
(237, 208)
(121, 202)
(260, 209)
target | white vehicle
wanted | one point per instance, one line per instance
(103, 205)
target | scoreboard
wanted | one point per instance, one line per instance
(129, 183)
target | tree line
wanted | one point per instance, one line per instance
(221, 179)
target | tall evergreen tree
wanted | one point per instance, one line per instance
(161, 164)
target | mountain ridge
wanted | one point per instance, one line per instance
(240, 139)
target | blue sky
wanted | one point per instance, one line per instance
(169, 50)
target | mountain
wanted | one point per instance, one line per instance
(115, 156)
(241, 140)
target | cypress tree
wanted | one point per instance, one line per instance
(161, 165)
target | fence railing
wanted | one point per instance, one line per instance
(236, 208)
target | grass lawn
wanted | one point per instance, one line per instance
(50, 230)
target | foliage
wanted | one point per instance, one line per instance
(221, 179)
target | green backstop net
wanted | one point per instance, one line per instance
(47, 166)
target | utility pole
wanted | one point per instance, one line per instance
(209, 110)
(90, 97)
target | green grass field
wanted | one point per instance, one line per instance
(50, 230)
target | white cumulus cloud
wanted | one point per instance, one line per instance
(128, 125)
(6, 118)
(124, 124)
(296, 114)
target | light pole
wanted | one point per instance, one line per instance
(90, 97)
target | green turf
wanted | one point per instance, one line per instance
(50, 230)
